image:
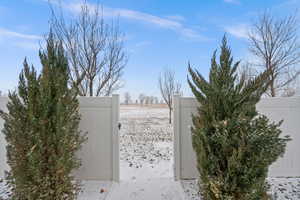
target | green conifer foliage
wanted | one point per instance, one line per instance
(234, 144)
(41, 129)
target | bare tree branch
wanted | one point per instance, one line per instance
(168, 87)
(95, 50)
(127, 98)
(247, 71)
(275, 42)
(142, 98)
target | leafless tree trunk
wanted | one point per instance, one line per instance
(275, 42)
(168, 87)
(288, 92)
(127, 98)
(247, 71)
(142, 98)
(290, 89)
(95, 50)
(152, 98)
(147, 100)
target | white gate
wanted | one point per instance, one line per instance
(100, 153)
(276, 109)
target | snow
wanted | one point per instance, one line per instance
(4, 192)
(158, 189)
(285, 188)
(280, 188)
(146, 164)
(96, 190)
(146, 156)
(191, 189)
(90, 190)
(146, 143)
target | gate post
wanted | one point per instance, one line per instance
(115, 109)
(3, 160)
(176, 130)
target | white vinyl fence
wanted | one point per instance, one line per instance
(100, 153)
(276, 109)
(3, 165)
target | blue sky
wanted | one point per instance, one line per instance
(159, 34)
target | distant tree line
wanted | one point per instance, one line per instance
(142, 99)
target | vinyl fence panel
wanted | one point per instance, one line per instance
(99, 154)
(287, 109)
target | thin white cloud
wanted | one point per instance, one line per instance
(239, 31)
(162, 22)
(140, 16)
(13, 34)
(20, 40)
(29, 45)
(176, 17)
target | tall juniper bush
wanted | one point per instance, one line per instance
(41, 129)
(234, 144)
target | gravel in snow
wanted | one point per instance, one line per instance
(146, 143)
(4, 192)
(91, 190)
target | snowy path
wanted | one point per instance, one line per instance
(158, 189)
(95, 190)
(146, 156)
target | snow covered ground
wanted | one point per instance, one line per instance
(146, 159)
(4, 193)
(96, 190)
(280, 188)
(147, 189)
(91, 190)
(146, 164)
(285, 188)
(146, 156)
(146, 143)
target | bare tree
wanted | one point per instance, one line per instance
(288, 92)
(127, 98)
(290, 89)
(168, 87)
(275, 42)
(142, 98)
(95, 50)
(152, 100)
(247, 71)
(147, 100)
